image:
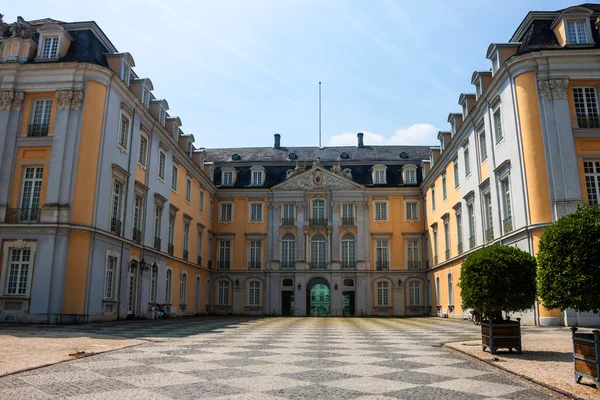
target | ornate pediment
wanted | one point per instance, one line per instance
(318, 178)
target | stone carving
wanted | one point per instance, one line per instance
(274, 206)
(6, 99)
(318, 180)
(300, 205)
(336, 205)
(297, 171)
(553, 88)
(362, 205)
(19, 29)
(337, 169)
(69, 99)
(77, 100)
(18, 100)
(317, 163)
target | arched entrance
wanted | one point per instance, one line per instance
(317, 297)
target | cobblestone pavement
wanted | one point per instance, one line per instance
(276, 358)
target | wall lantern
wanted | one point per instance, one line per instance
(237, 283)
(335, 287)
(143, 265)
(299, 287)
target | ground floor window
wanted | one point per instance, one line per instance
(223, 293)
(383, 294)
(254, 294)
(414, 293)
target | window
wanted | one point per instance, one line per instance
(412, 211)
(137, 214)
(226, 213)
(183, 289)
(123, 139)
(586, 107)
(467, 163)
(592, 181)
(482, 146)
(162, 116)
(459, 230)
(576, 32)
(435, 247)
(153, 284)
(456, 178)
(50, 47)
(157, 218)
(438, 291)
(40, 122)
(188, 189)
(379, 177)
(199, 246)
(186, 237)
(444, 190)
(174, 176)
(495, 64)
(410, 174)
(223, 293)
(143, 150)
(381, 211)
(382, 261)
(168, 283)
(145, 97)
(450, 290)
(414, 254)
(162, 160)
(171, 229)
(201, 201)
(288, 251)
(347, 214)
(506, 207)
(383, 294)
(257, 177)
(318, 248)
(30, 193)
(447, 236)
(255, 251)
(125, 73)
(471, 215)
(256, 212)
(478, 89)
(487, 206)
(289, 214)
(498, 125)
(227, 178)
(212, 208)
(348, 251)
(318, 209)
(433, 198)
(224, 254)
(414, 293)
(19, 272)
(115, 210)
(254, 294)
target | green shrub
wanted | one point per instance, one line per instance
(569, 262)
(498, 278)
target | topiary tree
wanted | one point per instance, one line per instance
(498, 278)
(569, 262)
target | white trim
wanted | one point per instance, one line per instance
(220, 211)
(262, 212)
(417, 211)
(379, 168)
(115, 281)
(188, 180)
(387, 210)
(183, 288)
(405, 170)
(144, 162)
(258, 170)
(161, 152)
(18, 245)
(124, 146)
(248, 282)
(324, 206)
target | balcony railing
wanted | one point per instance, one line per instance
(137, 236)
(459, 248)
(471, 242)
(223, 264)
(414, 264)
(170, 249)
(254, 265)
(156, 243)
(348, 264)
(199, 260)
(588, 121)
(382, 265)
(185, 254)
(507, 225)
(348, 221)
(37, 130)
(318, 221)
(447, 254)
(288, 221)
(318, 265)
(15, 215)
(288, 265)
(115, 226)
(489, 234)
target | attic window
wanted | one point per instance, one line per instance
(50, 48)
(236, 157)
(292, 156)
(379, 174)
(576, 32)
(344, 156)
(404, 155)
(125, 73)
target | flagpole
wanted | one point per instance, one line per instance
(319, 114)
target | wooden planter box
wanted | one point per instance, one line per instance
(586, 355)
(501, 335)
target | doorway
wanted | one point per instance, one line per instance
(287, 303)
(317, 298)
(348, 303)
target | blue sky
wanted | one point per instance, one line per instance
(238, 71)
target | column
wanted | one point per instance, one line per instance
(300, 251)
(362, 240)
(335, 242)
(274, 241)
(10, 106)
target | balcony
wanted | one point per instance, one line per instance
(115, 226)
(223, 264)
(471, 242)
(157, 243)
(507, 225)
(349, 265)
(38, 130)
(318, 222)
(382, 265)
(489, 235)
(414, 264)
(447, 254)
(348, 221)
(588, 121)
(288, 222)
(318, 265)
(170, 249)
(288, 265)
(137, 236)
(459, 248)
(185, 255)
(199, 260)
(22, 215)
(254, 265)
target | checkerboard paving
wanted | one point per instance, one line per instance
(276, 358)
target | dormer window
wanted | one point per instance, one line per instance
(190, 148)
(409, 174)
(478, 89)
(53, 42)
(227, 177)
(125, 73)
(145, 97)
(258, 176)
(162, 116)
(576, 32)
(379, 174)
(50, 47)
(495, 64)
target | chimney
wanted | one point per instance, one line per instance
(277, 141)
(360, 139)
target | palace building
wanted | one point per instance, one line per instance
(108, 210)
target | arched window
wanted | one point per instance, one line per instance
(183, 289)
(168, 286)
(318, 252)
(288, 251)
(348, 251)
(450, 290)
(318, 212)
(414, 293)
(383, 294)
(223, 293)
(254, 294)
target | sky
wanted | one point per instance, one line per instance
(238, 71)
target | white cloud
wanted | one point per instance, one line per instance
(417, 134)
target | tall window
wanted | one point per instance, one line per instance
(188, 189)
(433, 198)
(199, 246)
(450, 290)
(109, 278)
(414, 293)
(125, 73)
(50, 47)
(447, 236)
(115, 210)
(30, 193)
(153, 284)
(227, 178)
(289, 214)
(168, 284)
(123, 132)
(382, 261)
(42, 110)
(414, 254)
(586, 107)
(498, 125)
(459, 231)
(255, 254)
(576, 32)
(467, 163)
(506, 206)
(438, 291)
(143, 150)
(444, 190)
(471, 216)
(225, 254)
(347, 214)
(435, 246)
(383, 294)
(257, 178)
(145, 97)
(226, 211)
(412, 211)
(183, 289)
(137, 213)
(171, 229)
(482, 145)
(318, 209)
(174, 176)
(381, 211)
(288, 251)
(18, 272)
(186, 238)
(162, 159)
(162, 116)
(223, 293)
(592, 181)
(201, 201)
(254, 294)
(456, 178)
(348, 251)
(256, 212)
(157, 218)
(318, 251)
(489, 227)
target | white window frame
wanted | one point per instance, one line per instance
(433, 198)
(45, 111)
(162, 115)
(379, 173)
(591, 171)
(506, 200)
(483, 152)
(413, 251)
(253, 298)
(111, 255)
(226, 249)
(467, 161)
(123, 135)
(225, 172)
(450, 289)
(382, 253)
(313, 208)
(255, 249)
(138, 212)
(488, 211)
(183, 289)
(223, 292)
(288, 251)
(317, 250)
(157, 222)
(143, 155)
(145, 97)
(444, 187)
(49, 55)
(251, 217)
(409, 174)
(201, 201)
(573, 22)
(257, 172)
(446, 222)
(383, 293)
(417, 214)
(162, 165)
(380, 218)
(438, 290)
(288, 211)
(174, 176)
(168, 285)
(20, 245)
(415, 292)
(348, 249)
(119, 210)
(186, 235)
(188, 189)
(153, 284)
(37, 184)
(226, 203)
(456, 169)
(589, 110)
(497, 120)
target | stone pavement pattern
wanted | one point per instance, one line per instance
(277, 358)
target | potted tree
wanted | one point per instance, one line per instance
(494, 280)
(569, 277)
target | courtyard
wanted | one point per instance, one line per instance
(273, 358)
